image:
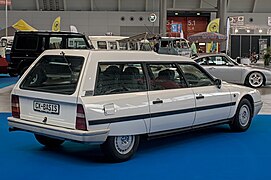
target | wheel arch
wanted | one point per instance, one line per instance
(250, 99)
(246, 96)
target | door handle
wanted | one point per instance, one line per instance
(157, 101)
(199, 96)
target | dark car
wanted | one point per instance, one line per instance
(27, 46)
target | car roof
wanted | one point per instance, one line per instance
(208, 55)
(50, 33)
(120, 55)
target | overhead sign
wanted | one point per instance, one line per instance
(152, 17)
(237, 20)
(176, 27)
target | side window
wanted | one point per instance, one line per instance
(55, 43)
(165, 76)
(218, 60)
(32, 42)
(202, 61)
(195, 76)
(101, 44)
(116, 78)
(164, 43)
(133, 46)
(112, 45)
(76, 43)
(123, 46)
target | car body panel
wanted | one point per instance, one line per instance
(232, 72)
(129, 113)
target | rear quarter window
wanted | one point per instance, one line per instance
(54, 74)
(26, 43)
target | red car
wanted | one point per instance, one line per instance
(3, 66)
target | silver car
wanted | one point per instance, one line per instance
(225, 68)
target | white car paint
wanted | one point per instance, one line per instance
(125, 113)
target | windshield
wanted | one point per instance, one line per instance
(54, 74)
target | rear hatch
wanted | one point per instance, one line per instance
(48, 92)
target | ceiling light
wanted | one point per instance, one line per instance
(198, 14)
(176, 14)
(260, 30)
(248, 30)
(236, 30)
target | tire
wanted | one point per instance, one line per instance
(243, 116)
(255, 79)
(120, 148)
(48, 141)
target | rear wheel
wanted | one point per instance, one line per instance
(243, 116)
(255, 79)
(120, 148)
(48, 141)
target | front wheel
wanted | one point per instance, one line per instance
(243, 116)
(48, 141)
(255, 79)
(120, 148)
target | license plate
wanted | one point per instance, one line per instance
(46, 107)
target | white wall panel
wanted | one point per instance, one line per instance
(241, 6)
(105, 5)
(208, 3)
(78, 5)
(87, 22)
(132, 5)
(263, 6)
(187, 4)
(153, 5)
(27, 5)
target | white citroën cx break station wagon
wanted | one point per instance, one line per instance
(113, 98)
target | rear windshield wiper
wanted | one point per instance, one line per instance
(68, 63)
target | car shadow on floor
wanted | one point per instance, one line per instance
(92, 153)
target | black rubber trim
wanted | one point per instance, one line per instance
(159, 114)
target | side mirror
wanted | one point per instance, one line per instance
(218, 83)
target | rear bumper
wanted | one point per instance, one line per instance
(98, 136)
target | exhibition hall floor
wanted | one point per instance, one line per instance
(214, 153)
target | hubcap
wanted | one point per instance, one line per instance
(244, 115)
(256, 79)
(124, 144)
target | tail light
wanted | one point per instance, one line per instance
(15, 106)
(80, 118)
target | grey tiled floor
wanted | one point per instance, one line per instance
(265, 92)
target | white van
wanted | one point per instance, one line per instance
(119, 43)
(114, 98)
(174, 46)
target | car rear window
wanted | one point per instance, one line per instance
(54, 74)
